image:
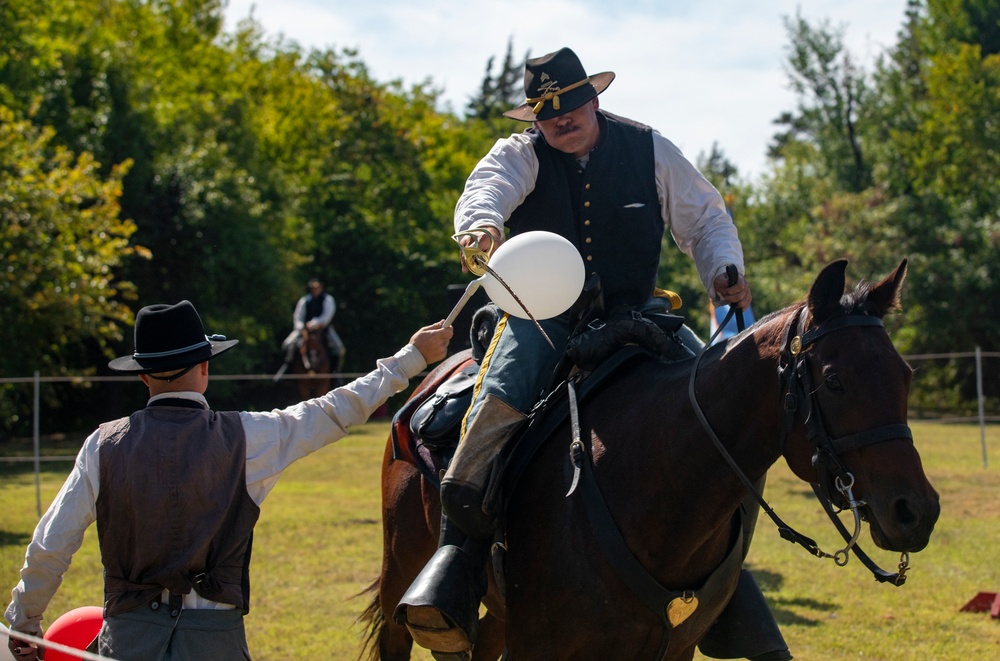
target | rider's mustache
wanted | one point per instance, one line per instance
(566, 129)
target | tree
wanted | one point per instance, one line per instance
(941, 147)
(923, 136)
(61, 240)
(833, 95)
(501, 92)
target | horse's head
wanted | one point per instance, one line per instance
(849, 385)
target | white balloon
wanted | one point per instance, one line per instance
(544, 270)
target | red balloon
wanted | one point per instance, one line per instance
(77, 629)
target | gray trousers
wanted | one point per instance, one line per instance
(144, 634)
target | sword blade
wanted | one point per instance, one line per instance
(510, 291)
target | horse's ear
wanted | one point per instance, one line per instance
(885, 295)
(824, 297)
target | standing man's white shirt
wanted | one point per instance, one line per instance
(274, 441)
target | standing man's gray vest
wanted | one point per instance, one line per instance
(173, 510)
(609, 209)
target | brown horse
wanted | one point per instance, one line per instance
(312, 364)
(668, 488)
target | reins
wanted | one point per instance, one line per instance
(674, 606)
(796, 375)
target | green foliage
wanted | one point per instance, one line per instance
(500, 92)
(227, 168)
(61, 239)
(253, 164)
(905, 163)
(940, 155)
(833, 94)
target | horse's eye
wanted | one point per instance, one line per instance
(833, 383)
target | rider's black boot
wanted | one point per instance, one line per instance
(746, 628)
(441, 607)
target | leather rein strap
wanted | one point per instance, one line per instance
(794, 371)
(658, 598)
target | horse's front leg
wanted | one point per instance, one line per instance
(490, 644)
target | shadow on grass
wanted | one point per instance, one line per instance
(47, 469)
(18, 539)
(788, 611)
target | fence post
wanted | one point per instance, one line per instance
(35, 425)
(982, 399)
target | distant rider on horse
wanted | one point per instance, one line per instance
(314, 312)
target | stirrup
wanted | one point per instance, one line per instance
(452, 656)
(441, 608)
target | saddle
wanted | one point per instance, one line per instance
(425, 431)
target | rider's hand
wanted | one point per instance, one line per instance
(22, 650)
(481, 240)
(432, 341)
(738, 295)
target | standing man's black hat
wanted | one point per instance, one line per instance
(555, 84)
(170, 337)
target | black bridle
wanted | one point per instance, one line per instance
(793, 370)
(800, 401)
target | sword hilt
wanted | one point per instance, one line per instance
(476, 259)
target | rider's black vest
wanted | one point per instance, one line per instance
(608, 209)
(314, 306)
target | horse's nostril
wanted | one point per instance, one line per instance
(904, 515)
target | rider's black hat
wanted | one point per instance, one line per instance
(555, 84)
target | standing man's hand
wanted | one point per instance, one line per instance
(22, 650)
(737, 295)
(432, 341)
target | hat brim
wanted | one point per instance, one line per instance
(598, 82)
(129, 365)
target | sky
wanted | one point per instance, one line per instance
(700, 72)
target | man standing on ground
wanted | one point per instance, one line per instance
(176, 490)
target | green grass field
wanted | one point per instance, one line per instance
(318, 544)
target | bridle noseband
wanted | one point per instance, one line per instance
(800, 397)
(793, 371)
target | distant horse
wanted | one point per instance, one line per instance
(819, 378)
(312, 362)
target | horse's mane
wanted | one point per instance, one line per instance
(854, 302)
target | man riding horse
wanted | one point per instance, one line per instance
(611, 186)
(314, 312)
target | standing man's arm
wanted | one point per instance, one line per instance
(57, 537)
(275, 439)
